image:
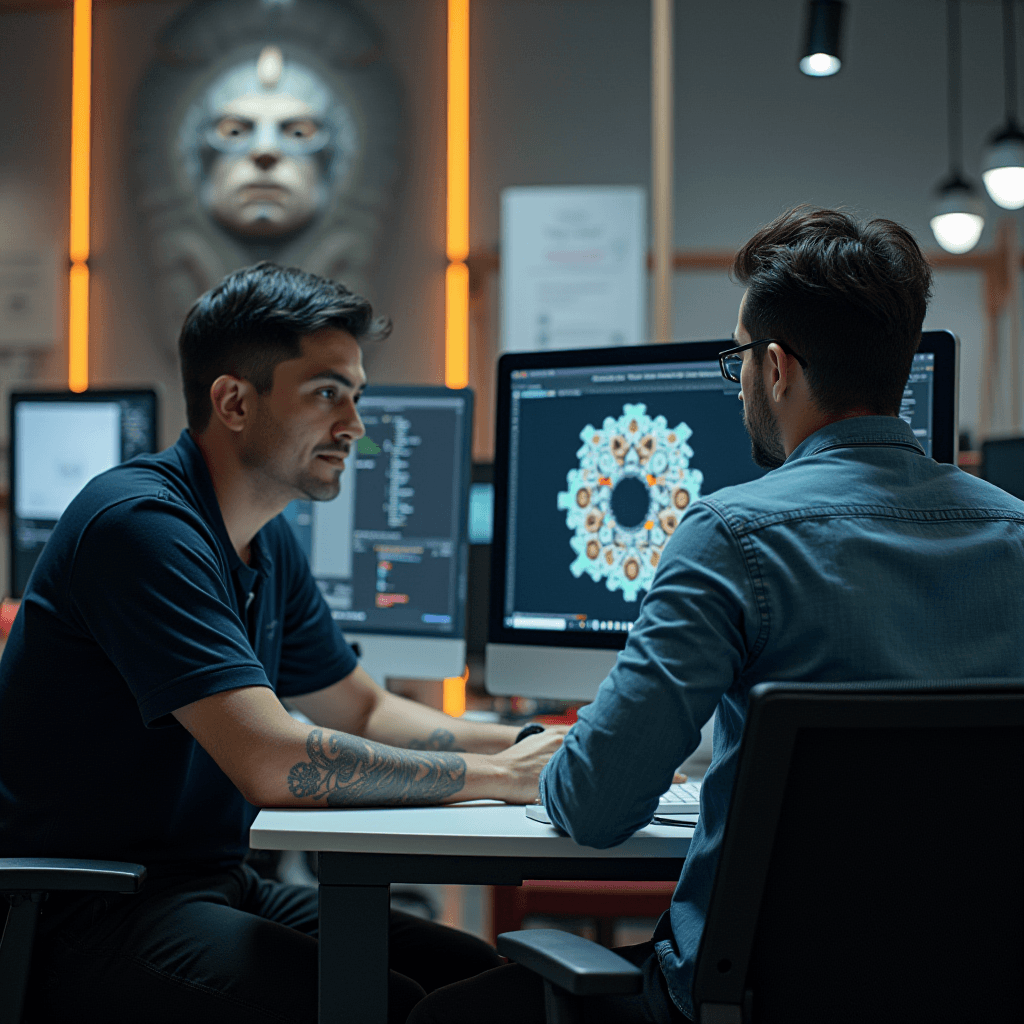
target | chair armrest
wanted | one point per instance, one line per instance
(580, 967)
(58, 874)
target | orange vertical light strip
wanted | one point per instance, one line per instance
(456, 325)
(453, 695)
(78, 235)
(458, 130)
(456, 341)
(78, 327)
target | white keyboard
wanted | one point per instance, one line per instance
(681, 798)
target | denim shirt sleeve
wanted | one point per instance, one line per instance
(695, 629)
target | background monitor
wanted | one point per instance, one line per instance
(481, 526)
(558, 615)
(389, 552)
(60, 440)
(1002, 463)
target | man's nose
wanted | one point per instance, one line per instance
(265, 159)
(353, 429)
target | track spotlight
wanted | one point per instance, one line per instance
(959, 215)
(821, 49)
(1003, 161)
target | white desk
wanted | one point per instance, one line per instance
(361, 852)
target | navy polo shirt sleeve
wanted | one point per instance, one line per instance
(148, 586)
(314, 654)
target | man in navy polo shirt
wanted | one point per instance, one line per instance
(141, 686)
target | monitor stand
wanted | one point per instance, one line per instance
(386, 656)
(568, 673)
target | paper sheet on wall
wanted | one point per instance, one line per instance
(573, 267)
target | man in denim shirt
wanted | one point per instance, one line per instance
(858, 558)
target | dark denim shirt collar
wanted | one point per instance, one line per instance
(197, 474)
(870, 431)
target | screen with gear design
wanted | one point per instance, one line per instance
(603, 462)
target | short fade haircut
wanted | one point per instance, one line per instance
(256, 318)
(848, 297)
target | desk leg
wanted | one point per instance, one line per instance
(353, 969)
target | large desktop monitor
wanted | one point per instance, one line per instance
(632, 435)
(389, 553)
(60, 440)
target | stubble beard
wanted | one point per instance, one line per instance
(766, 447)
(267, 449)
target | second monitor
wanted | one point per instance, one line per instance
(389, 553)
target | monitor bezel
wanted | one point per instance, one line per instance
(14, 399)
(944, 344)
(462, 568)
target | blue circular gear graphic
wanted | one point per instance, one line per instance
(644, 449)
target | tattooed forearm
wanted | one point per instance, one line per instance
(439, 739)
(350, 771)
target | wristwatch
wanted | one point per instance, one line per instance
(528, 730)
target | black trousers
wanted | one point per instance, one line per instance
(224, 948)
(514, 995)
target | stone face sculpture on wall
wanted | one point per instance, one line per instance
(265, 129)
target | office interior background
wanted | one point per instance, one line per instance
(560, 93)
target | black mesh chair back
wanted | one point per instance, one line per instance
(873, 860)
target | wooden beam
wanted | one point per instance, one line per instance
(662, 164)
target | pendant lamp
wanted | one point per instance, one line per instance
(959, 215)
(1003, 161)
(821, 42)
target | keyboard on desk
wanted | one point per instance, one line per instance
(681, 798)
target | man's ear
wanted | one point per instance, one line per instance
(232, 400)
(778, 370)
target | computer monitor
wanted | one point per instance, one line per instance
(389, 553)
(563, 599)
(481, 529)
(60, 440)
(1002, 464)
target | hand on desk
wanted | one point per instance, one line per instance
(522, 763)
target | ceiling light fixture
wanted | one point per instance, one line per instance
(959, 215)
(821, 49)
(1003, 162)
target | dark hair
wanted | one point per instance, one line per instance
(256, 318)
(848, 297)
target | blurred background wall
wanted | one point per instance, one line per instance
(560, 95)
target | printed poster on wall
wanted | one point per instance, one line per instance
(573, 267)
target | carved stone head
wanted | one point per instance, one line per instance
(265, 129)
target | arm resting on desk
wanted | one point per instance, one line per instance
(695, 633)
(356, 704)
(276, 761)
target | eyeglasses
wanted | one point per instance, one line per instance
(731, 360)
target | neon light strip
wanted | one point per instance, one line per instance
(78, 240)
(456, 325)
(456, 334)
(453, 694)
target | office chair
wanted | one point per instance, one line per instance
(25, 882)
(858, 880)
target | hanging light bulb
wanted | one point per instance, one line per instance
(959, 215)
(1004, 168)
(821, 49)
(1003, 161)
